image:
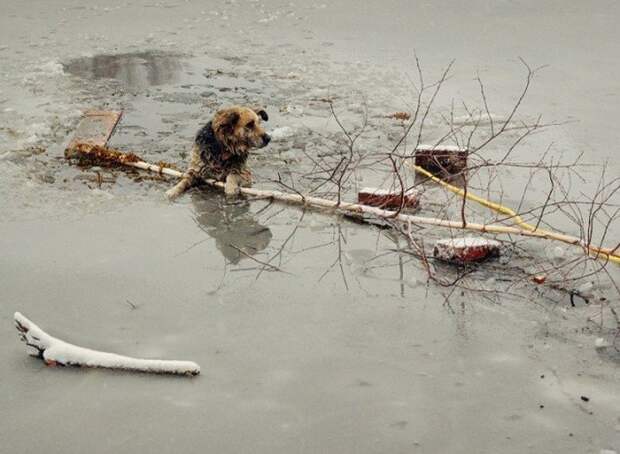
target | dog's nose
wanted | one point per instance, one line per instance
(266, 139)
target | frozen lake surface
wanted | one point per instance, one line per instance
(348, 349)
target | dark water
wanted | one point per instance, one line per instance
(134, 70)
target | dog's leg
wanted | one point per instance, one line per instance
(231, 187)
(179, 188)
(236, 180)
(190, 178)
(245, 178)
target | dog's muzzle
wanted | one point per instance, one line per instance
(266, 139)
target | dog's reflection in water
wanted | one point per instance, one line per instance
(237, 234)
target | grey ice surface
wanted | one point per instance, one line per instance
(353, 355)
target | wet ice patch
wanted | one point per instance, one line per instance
(281, 133)
(106, 195)
(49, 124)
(293, 109)
(600, 342)
(52, 68)
(48, 69)
(36, 132)
(478, 118)
(267, 19)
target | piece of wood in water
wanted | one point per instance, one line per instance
(384, 198)
(465, 250)
(95, 128)
(442, 160)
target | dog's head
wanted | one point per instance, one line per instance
(239, 128)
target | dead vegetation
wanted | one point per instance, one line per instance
(482, 160)
(90, 154)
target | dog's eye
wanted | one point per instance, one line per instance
(250, 125)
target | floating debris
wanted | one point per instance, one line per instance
(466, 250)
(384, 198)
(402, 116)
(442, 160)
(99, 155)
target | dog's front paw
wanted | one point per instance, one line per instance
(172, 194)
(231, 187)
(245, 179)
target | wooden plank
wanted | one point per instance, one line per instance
(95, 128)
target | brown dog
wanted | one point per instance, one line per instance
(221, 149)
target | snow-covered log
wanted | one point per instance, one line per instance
(57, 352)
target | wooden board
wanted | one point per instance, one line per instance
(95, 128)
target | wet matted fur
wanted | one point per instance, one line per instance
(221, 149)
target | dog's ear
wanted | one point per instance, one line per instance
(230, 120)
(262, 113)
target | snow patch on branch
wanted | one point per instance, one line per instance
(58, 352)
(447, 148)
